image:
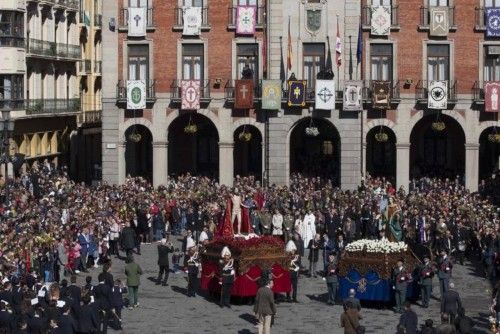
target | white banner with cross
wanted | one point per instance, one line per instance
(136, 94)
(325, 94)
(137, 21)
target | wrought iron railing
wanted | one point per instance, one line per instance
(425, 17)
(259, 16)
(179, 17)
(478, 91)
(366, 16)
(230, 85)
(52, 106)
(176, 90)
(422, 90)
(123, 18)
(121, 90)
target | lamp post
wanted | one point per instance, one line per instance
(7, 128)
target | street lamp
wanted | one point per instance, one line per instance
(7, 129)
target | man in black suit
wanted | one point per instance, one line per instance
(75, 292)
(409, 319)
(451, 303)
(102, 293)
(66, 322)
(164, 249)
(87, 320)
(108, 277)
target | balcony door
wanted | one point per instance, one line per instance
(438, 3)
(138, 62)
(491, 70)
(313, 61)
(193, 3)
(438, 62)
(139, 3)
(381, 62)
(192, 62)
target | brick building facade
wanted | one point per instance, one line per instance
(409, 58)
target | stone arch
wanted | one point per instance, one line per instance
(489, 152)
(437, 153)
(195, 153)
(139, 152)
(216, 121)
(248, 121)
(375, 123)
(247, 153)
(314, 155)
(404, 136)
(380, 154)
(137, 121)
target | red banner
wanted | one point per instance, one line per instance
(243, 94)
(491, 96)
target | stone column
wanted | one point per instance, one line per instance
(226, 163)
(160, 163)
(364, 159)
(121, 162)
(403, 165)
(471, 166)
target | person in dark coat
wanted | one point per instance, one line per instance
(66, 323)
(451, 303)
(164, 250)
(128, 239)
(117, 303)
(352, 300)
(428, 327)
(107, 276)
(264, 307)
(314, 247)
(36, 321)
(463, 323)
(17, 296)
(102, 293)
(409, 319)
(87, 320)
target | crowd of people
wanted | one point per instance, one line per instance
(53, 229)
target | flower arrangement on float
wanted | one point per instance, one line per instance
(376, 246)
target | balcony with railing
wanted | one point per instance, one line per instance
(48, 49)
(98, 20)
(394, 91)
(52, 106)
(97, 66)
(259, 24)
(121, 91)
(70, 51)
(229, 92)
(422, 91)
(123, 19)
(176, 91)
(85, 67)
(179, 19)
(12, 104)
(478, 92)
(425, 15)
(90, 117)
(68, 4)
(366, 17)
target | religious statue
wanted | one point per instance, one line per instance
(236, 210)
(393, 219)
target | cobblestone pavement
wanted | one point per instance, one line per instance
(169, 310)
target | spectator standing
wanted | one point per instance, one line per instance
(133, 272)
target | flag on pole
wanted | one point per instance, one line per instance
(282, 62)
(359, 51)
(289, 55)
(338, 47)
(328, 64)
(350, 59)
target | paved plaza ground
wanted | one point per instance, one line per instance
(169, 310)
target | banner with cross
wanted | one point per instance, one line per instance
(136, 94)
(353, 95)
(297, 93)
(190, 90)
(137, 21)
(243, 94)
(245, 20)
(325, 94)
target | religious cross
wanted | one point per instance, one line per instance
(137, 18)
(190, 93)
(353, 94)
(296, 91)
(244, 90)
(325, 94)
(245, 20)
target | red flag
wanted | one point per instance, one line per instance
(243, 94)
(338, 47)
